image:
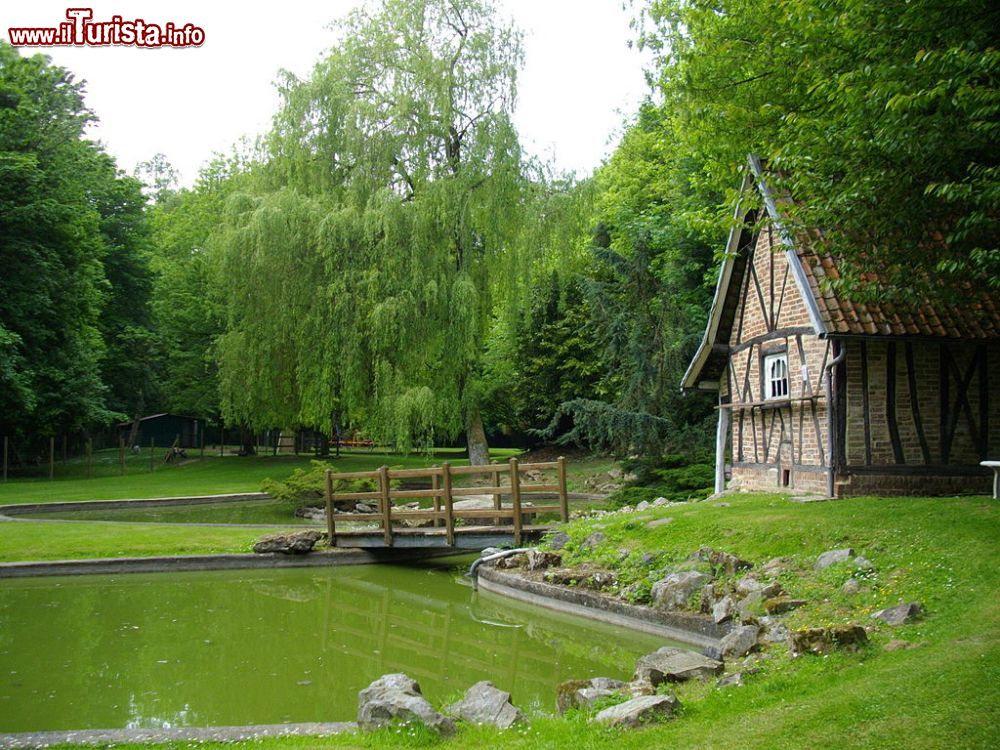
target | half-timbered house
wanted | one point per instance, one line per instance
(822, 394)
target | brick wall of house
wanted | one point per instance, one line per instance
(768, 441)
(920, 396)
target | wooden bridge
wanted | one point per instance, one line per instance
(443, 525)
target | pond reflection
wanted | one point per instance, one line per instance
(255, 647)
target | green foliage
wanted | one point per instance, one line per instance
(362, 268)
(879, 119)
(307, 486)
(74, 290)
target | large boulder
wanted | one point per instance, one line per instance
(900, 614)
(670, 664)
(639, 711)
(539, 560)
(485, 704)
(674, 591)
(739, 641)
(396, 697)
(822, 641)
(294, 543)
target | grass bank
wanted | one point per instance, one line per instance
(944, 692)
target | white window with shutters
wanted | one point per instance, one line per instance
(776, 376)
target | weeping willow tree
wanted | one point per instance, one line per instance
(361, 276)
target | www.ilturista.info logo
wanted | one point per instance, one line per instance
(81, 31)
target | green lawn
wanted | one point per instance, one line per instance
(212, 475)
(944, 693)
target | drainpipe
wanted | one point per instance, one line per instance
(831, 415)
(474, 569)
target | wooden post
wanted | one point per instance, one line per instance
(90, 456)
(497, 505)
(383, 481)
(435, 485)
(152, 446)
(449, 519)
(563, 496)
(5, 439)
(52, 458)
(515, 499)
(121, 454)
(331, 528)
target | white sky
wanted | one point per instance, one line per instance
(579, 82)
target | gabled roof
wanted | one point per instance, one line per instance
(830, 312)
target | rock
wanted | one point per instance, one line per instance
(616, 473)
(708, 599)
(559, 540)
(720, 562)
(396, 697)
(781, 604)
(585, 693)
(824, 640)
(539, 560)
(747, 585)
(773, 631)
(833, 557)
(364, 508)
(660, 502)
(863, 563)
(643, 505)
(851, 586)
(313, 514)
(900, 614)
(658, 522)
(774, 566)
(513, 561)
(648, 558)
(642, 710)
(593, 540)
(771, 590)
(490, 551)
(606, 683)
(294, 543)
(670, 664)
(674, 591)
(723, 610)
(582, 577)
(739, 641)
(730, 680)
(485, 704)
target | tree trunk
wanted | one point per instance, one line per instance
(475, 436)
(133, 434)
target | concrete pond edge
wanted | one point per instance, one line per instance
(182, 563)
(24, 740)
(693, 630)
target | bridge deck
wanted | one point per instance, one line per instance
(465, 537)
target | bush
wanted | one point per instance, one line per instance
(675, 477)
(306, 486)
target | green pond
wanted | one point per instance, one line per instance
(266, 512)
(258, 647)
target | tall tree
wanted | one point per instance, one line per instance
(878, 119)
(362, 281)
(51, 251)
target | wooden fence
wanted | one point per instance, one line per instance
(442, 492)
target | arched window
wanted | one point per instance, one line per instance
(776, 376)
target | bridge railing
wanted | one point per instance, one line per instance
(443, 491)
